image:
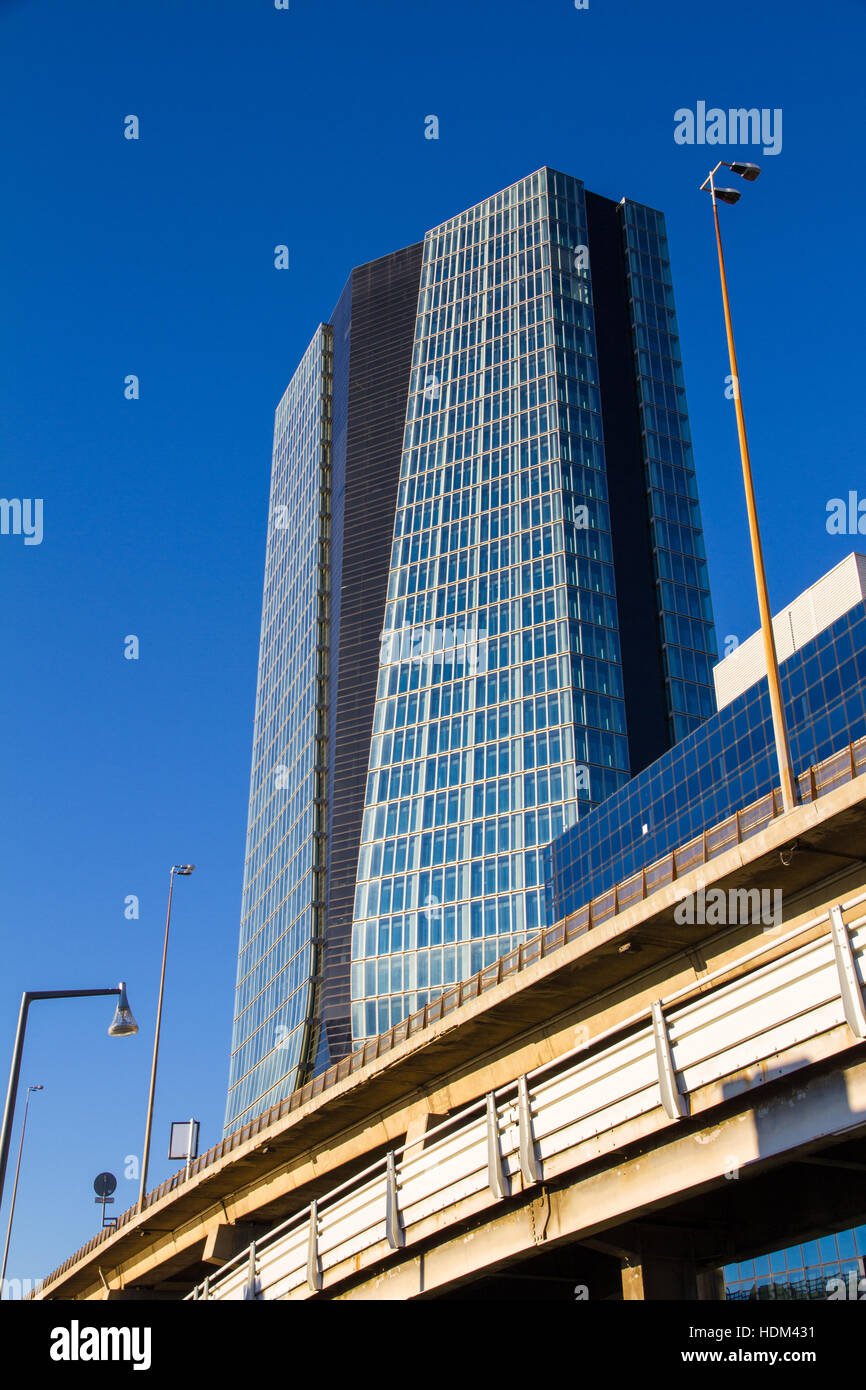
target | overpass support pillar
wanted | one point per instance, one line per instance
(660, 1270)
(657, 1277)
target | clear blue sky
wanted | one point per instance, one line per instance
(155, 257)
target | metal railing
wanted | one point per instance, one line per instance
(506, 1141)
(817, 781)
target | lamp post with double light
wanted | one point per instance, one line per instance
(750, 172)
(184, 870)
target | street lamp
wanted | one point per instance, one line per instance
(750, 172)
(122, 1026)
(185, 870)
(15, 1187)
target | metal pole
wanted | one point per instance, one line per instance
(9, 1111)
(146, 1155)
(15, 1188)
(783, 755)
(189, 1149)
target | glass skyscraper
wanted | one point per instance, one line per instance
(336, 459)
(286, 864)
(486, 609)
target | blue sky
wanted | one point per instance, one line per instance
(156, 257)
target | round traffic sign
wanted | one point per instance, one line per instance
(104, 1184)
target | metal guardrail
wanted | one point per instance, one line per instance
(817, 781)
(640, 1073)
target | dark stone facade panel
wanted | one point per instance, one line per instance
(379, 333)
(642, 668)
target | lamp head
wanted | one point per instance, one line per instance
(727, 195)
(123, 1025)
(746, 171)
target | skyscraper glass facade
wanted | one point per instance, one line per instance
(336, 462)
(281, 918)
(501, 703)
(485, 610)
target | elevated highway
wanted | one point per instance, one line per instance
(620, 1107)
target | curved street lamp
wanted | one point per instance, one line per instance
(750, 172)
(123, 1025)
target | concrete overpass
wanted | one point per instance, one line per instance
(620, 1107)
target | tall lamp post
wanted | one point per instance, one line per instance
(15, 1187)
(123, 1025)
(185, 870)
(783, 753)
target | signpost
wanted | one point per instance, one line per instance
(103, 1185)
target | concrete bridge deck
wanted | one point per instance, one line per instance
(587, 984)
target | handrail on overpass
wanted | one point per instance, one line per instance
(662, 1048)
(817, 781)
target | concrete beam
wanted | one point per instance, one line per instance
(771, 1128)
(224, 1241)
(140, 1295)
